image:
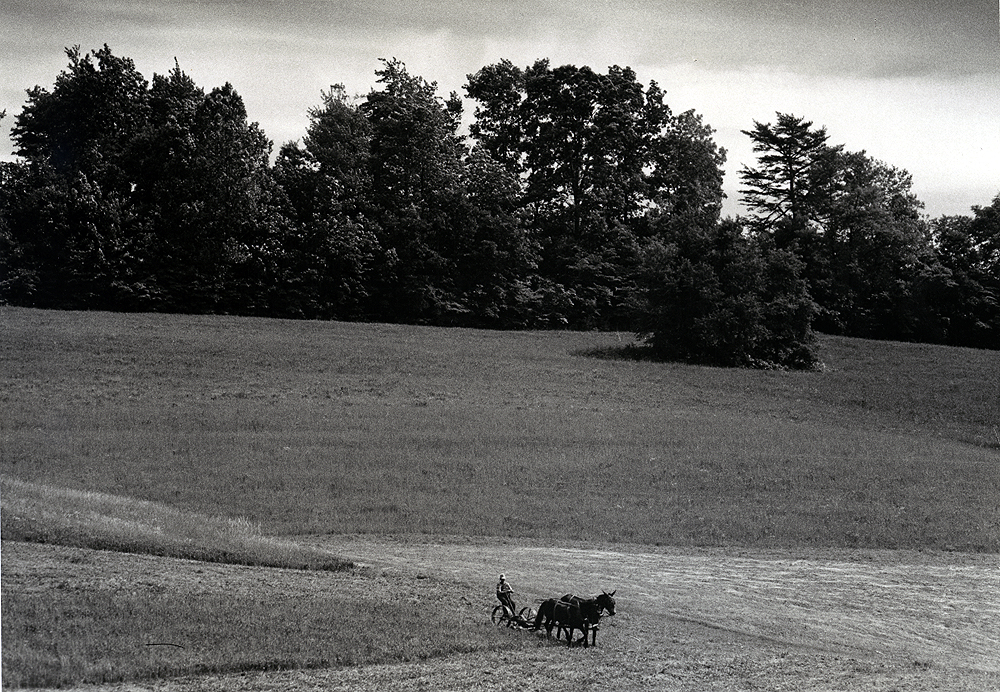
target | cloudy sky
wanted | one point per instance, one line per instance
(915, 83)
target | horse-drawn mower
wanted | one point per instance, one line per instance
(505, 617)
(568, 613)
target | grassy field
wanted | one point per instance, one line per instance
(214, 438)
(38, 513)
(73, 616)
(311, 427)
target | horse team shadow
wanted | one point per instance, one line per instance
(571, 613)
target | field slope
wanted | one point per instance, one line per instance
(836, 529)
(310, 427)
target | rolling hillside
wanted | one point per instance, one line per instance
(317, 427)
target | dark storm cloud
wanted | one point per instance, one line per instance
(868, 38)
(877, 39)
(881, 38)
(63, 15)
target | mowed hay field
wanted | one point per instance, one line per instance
(517, 442)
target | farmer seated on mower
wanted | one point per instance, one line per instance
(504, 592)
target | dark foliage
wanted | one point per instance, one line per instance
(723, 299)
(876, 267)
(581, 201)
(597, 156)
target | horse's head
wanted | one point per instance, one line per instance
(607, 602)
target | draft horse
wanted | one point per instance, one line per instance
(591, 608)
(570, 617)
(545, 616)
(604, 602)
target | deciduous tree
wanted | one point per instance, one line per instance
(205, 199)
(416, 168)
(723, 298)
(968, 297)
(335, 253)
(597, 155)
(66, 203)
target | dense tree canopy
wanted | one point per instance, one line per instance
(603, 162)
(334, 256)
(871, 259)
(578, 199)
(137, 197)
(65, 203)
(725, 298)
(965, 293)
(202, 198)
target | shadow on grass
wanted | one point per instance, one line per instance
(630, 352)
(639, 353)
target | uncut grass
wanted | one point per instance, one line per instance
(326, 427)
(72, 638)
(47, 514)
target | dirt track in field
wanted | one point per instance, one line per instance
(687, 619)
(928, 607)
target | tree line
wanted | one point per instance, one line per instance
(577, 200)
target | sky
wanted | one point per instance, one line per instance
(914, 83)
